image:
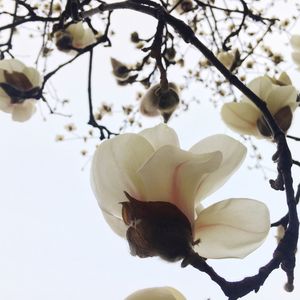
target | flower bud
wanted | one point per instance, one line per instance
(120, 71)
(157, 101)
(74, 36)
(184, 6)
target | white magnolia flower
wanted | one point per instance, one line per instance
(155, 102)
(184, 6)
(157, 293)
(281, 98)
(295, 43)
(164, 186)
(75, 36)
(19, 86)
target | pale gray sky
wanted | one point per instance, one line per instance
(54, 241)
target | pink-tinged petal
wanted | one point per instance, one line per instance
(295, 41)
(160, 135)
(233, 154)
(231, 228)
(23, 111)
(11, 65)
(34, 76)
(173, 175)
(280, 97)
(261, 86)
(158, 293)
(114, 170)
(296, 57)
(241, 117)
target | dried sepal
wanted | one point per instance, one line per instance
(156, 229)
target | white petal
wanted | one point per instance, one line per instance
(226, 58)
(173, 175)
(295, 41)
(5, 104)
(150, 100)
(88, 38)
(231, 228)
(280, 97)
(233, 154)
(23, 111)
(116, 224)
(34, 76)
(261, 86)
(2, 78)
(11, 65)
(76, 30)
(158, 293)
(113, 171)
(296, 57)
(241, 117)
(285, 78)
(160, 135)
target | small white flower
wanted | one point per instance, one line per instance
(161, 293)
(164, 183)
(155, 102)
(281, 98)
(19, 85)
(75, 36)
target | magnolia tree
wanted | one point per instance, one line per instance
(149, 190)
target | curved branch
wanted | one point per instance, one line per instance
(284, 254)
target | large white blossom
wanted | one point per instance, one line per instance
(281, 99)
(18, 85)
(157, 293)
(150, 167)
(75, 36)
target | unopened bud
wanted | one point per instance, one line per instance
(63, 40)
(120, 70)
(158, 101)
(184, 6)
(170, 53)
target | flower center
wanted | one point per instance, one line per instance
(17, 80)
(156, 229)
(18, 87)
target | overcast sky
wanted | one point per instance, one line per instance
(54, 243)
